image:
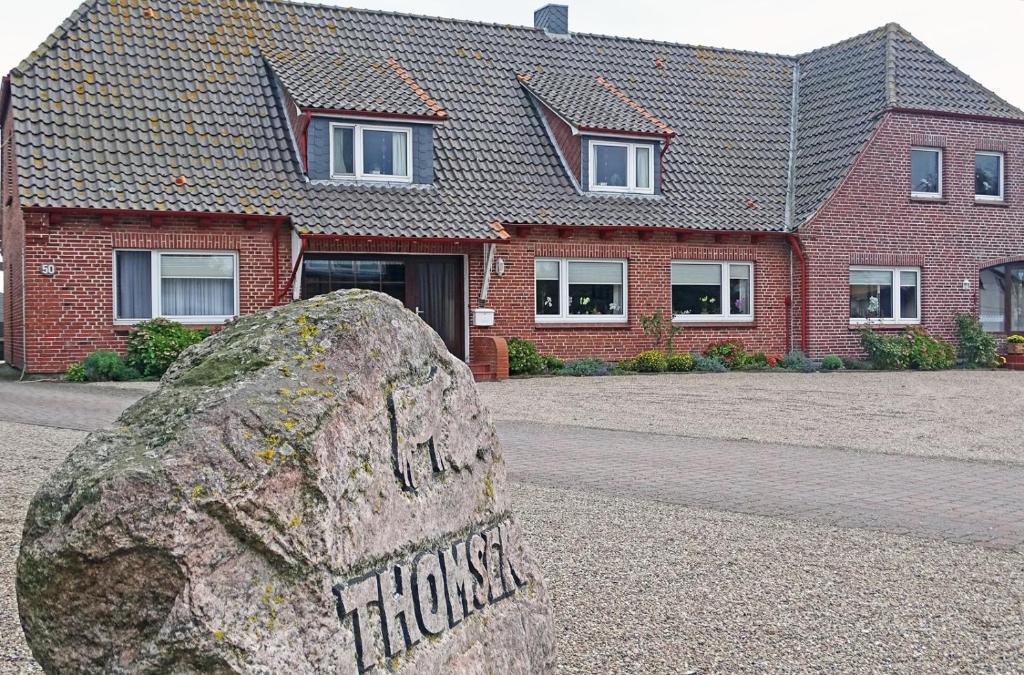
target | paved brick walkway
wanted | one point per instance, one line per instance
(961, 501)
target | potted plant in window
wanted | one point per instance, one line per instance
(1015, 344)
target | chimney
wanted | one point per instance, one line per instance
(554, 19)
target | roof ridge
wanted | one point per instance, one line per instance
(58, 33)
(898, 29)
(523, 27)
(844, 41)
(890, 65)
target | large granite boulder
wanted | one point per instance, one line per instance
(316, 489)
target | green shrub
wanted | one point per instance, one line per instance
(709, 364)
(586, 368)
(679, 363)
(107, 366)
(912, 348)
(796, 360)
(154, 345)
(625, 366)
(1013, 339)
(651, 361)
(755, 361)
(523, 358)
(552, 364)
(662, 330)
(977, 349)
(831, 362)
(76, 373)
(730, 353)
(856, 364)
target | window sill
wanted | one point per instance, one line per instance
(586, 325)
(882, 326)
(715, 324)
(999, 203)
(924, 199)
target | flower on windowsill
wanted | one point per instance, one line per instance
(548, 302)
(874, 306)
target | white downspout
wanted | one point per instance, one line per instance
(489, 252)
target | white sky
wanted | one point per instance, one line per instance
(984, 40)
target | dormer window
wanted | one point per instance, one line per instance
(371, 153)
(621, 167)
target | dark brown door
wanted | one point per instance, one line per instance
(434, 290)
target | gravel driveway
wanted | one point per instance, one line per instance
(960, 414)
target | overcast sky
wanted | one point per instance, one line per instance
(984, 40)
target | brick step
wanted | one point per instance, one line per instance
(482, 372)
(1014, 361)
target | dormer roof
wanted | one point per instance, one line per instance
(592, 103)
(352, 82)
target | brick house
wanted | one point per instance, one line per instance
(199, 160)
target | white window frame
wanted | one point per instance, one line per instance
(725, 277)
(897, 318)
(630, 167)
(357, 153)
(563, 293)
(926, 195)
(1002, 176)
(156, 256)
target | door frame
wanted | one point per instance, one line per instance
(398, 256)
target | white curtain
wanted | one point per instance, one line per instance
(197, 285)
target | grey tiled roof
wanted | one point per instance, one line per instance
(120, 101)
(351, 82)
(591, 102)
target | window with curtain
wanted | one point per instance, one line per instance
(885, 295)
(708, 291)
(580, 290)
(1002, 298)
(371, 153)
(178, 285)
(621, 167)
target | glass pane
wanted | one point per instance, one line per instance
(595, 273)
(924, 171)
(342, 272)
(694, 273)
(610, 166)
(908, 302)
(198, 297)
(643, 167)
(739, 271)
(870, 294)
(739, 296)
(547, 296)
(341, 161)
(908, 278)
(197, 266)
(368, 273)
(696, 299)
(993, 299)
(986, 175)
(384, 153)
(1016, 299)
(546, 269)
(134, 285)
(597, 299)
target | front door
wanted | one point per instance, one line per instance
(430, 286)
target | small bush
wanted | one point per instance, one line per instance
(913, 348)
(679, 363)
(625, 366)
(977, 349)
(1014, 339)
(523, 358)
(154, 345)
(586, 368)
(856, 364)
(755, 361)
(76, 373)
(796, 360)
(709, 364)
(106, 367)
(730, 353)
(651, 361)
(831, 362)
(662, 330)
(552, 364)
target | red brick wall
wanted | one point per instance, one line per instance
(568, 143)
(12, 232)
(72, 313)
(872, 220)
(649, 290)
